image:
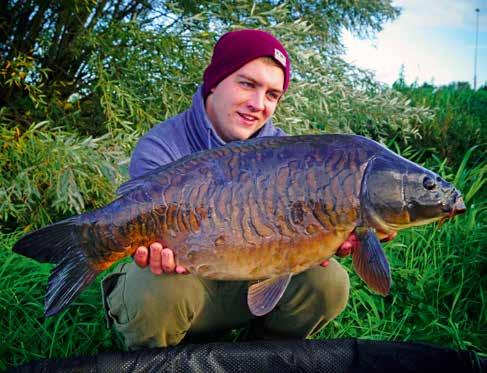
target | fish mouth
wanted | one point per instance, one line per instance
(457, 209)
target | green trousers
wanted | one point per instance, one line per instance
(160, 311)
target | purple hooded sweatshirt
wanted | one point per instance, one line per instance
(181, 135)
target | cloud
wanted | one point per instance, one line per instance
(433, 39)
(459, 14)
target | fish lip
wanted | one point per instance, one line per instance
(459, 207)
(455, 206)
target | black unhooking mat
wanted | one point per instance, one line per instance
(337, 356)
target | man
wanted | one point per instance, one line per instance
(150, 302)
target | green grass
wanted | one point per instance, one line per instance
(25, 333)
(438, 293)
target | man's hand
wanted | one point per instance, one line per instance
(160, 259)
(352, 243)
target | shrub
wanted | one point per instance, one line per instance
(47, 174)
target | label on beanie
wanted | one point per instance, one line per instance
(280, 57)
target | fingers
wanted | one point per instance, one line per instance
(352, 243)
(345, 249)
(167, 260)
(169, 264)
(159, 259)
(141, 257)
(181, 270)
(155, 258)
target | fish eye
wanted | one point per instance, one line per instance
(429, 183)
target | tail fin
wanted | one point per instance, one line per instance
(48, 244)
(59, 243)
(70, 277)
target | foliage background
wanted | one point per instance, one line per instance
(81, 81)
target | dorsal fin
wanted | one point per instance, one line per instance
(152, 176)
(131, 185)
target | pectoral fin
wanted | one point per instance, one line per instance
(263, 296)
(371, 263)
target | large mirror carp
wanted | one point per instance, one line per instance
(264, 209)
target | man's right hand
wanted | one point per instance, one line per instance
(160, 259)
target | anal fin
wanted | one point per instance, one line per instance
(263, 296)
(371, 263)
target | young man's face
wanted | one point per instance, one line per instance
(241, 103)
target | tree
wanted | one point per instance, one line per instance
(400, 83)
(72, 60)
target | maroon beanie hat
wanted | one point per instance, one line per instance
(234, 49)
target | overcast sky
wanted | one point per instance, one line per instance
(433, 39)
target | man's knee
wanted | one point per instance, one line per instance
(312, 299)
(153, 311)
(330, 287)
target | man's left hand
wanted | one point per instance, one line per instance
(352, 243)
